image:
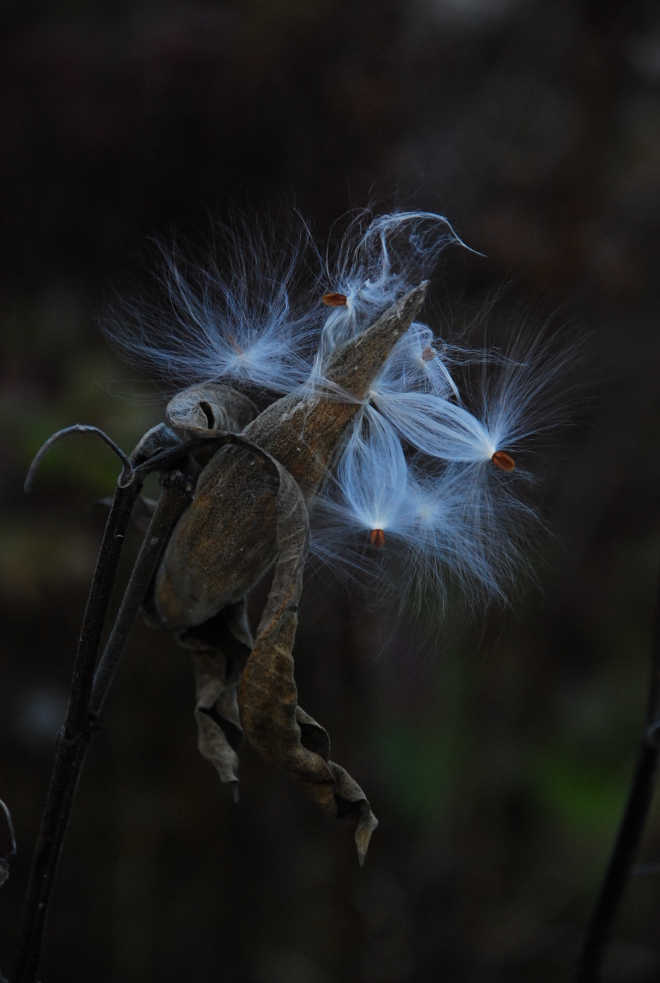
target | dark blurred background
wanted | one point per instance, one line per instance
(496, 749)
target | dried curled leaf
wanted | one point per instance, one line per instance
(220, 649)
(273, 722)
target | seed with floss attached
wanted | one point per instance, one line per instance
(377, 538)
(334, 300)
(428, 354)
(503, 461)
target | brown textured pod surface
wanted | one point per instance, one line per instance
(210, 407)
(304, 432)
(223, 544)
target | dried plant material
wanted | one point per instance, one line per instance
(220, 650)
(143, 511)
(223, 544)
(274, 723)
(372, 430)
(210, 408)
(219, 732)
(157, 439)
(304, 433)
(141, 515)
(249, 512)
(458, 516)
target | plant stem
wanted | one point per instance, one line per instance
(629, 836)
(177, 490)
(74, 737)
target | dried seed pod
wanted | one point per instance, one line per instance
(154, 441)
(222, 544)
(202, 572)
(248, 511)
(210, 407)
(304, 432)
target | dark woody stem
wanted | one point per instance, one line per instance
(177, 491)
(629, 836)
(73, 738)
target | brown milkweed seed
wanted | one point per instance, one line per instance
(503, 461)
(334, 300)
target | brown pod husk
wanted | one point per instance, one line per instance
(304, 433)
(223, 543)
(210, 408)
(155, 440)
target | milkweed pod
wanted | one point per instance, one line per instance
(503, 461)
(334, 300)
(210, 407)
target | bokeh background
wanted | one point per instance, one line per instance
(496, 748)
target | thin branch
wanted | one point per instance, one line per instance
(626, 847)
(177, 492)
(78, 428)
